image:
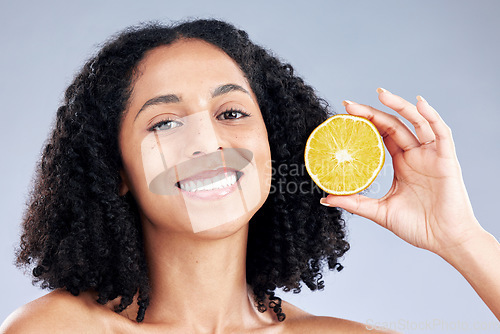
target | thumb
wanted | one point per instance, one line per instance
(357, 204)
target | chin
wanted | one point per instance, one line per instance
(225, 230)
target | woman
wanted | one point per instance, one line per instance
(156, 195)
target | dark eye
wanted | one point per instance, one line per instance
(232, 114)
(166, 124)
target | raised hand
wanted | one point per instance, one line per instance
(427, 204)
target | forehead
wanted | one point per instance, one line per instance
(185, 63)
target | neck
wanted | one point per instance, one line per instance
(199, 283)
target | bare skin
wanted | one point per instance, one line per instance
(198, 279)
(59, 311)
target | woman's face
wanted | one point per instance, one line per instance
(193, 142)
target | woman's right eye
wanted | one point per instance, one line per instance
(166, 124)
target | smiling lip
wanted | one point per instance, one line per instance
(205, 166)
(210, 184)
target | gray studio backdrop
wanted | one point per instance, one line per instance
(446, 51)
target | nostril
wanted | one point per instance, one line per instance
(200, 152)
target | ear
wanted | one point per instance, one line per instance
(124, 185)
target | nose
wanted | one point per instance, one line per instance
(201, 136)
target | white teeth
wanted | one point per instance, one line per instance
(220, 181)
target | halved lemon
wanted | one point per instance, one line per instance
(344, 154)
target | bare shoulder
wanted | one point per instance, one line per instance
(299, 321)
(56, 312)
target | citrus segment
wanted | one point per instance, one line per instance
(344, 154)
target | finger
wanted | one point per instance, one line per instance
(388, 125)
(444, 141)
(357, 204)
(392, 147)
(408, 111)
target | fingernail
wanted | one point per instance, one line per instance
(347, 102)
(324, 202)
(382, 90)
(420, 98)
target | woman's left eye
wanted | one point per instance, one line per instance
(232, 114)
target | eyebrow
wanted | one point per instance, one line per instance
(172, 98)
(224, 89)
(162, 99)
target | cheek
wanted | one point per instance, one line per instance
(262, 153)
(168, 211)
(261, 143)
(133, 167)
(158, 155)
(265, 169)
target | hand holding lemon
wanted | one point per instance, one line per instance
(427, 205)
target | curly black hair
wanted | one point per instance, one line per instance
(80, 234)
